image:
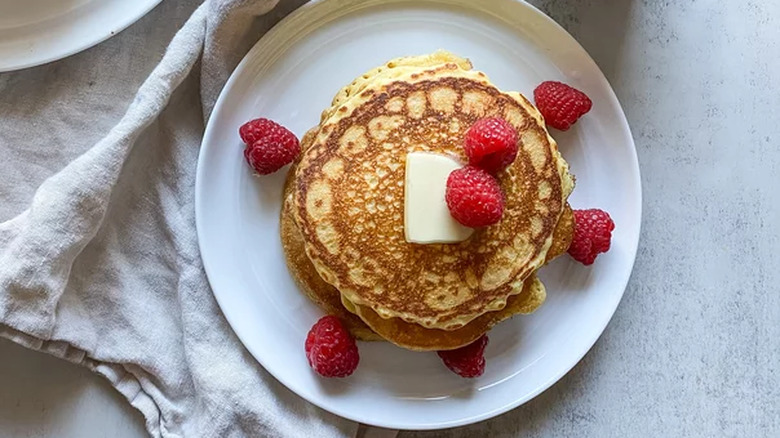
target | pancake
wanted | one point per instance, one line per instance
(348, 197)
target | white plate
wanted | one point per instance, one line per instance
(34, 32)
(290, 76)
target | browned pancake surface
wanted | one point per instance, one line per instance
(349, 202)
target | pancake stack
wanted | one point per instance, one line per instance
(343, 214)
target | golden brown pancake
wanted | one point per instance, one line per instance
(349, 198)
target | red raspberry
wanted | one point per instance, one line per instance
(468, 361)
(269, 145)
(491, 144)
(474, 197)
(253, 130)
(330, 349)
(592, 235)
(560, 104)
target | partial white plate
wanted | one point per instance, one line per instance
(34, 32)
(290, 76)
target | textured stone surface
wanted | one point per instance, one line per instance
(694, 348)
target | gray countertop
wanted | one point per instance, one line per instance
(694, 348)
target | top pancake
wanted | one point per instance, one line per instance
(349, 190)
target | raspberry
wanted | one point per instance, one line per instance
(330, 349)
(468, 361)
(474, 197)
(592, 235)
(491, 144)
(253, 130)
(269, 145)
(560, 104)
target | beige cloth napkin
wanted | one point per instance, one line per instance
(103, 267)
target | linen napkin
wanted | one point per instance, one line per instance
(103, 267)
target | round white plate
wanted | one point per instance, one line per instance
(34, 32)
(290, 76)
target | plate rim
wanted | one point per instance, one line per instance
(587, 346)
(114, 29)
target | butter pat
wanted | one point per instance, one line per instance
(426, 216)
